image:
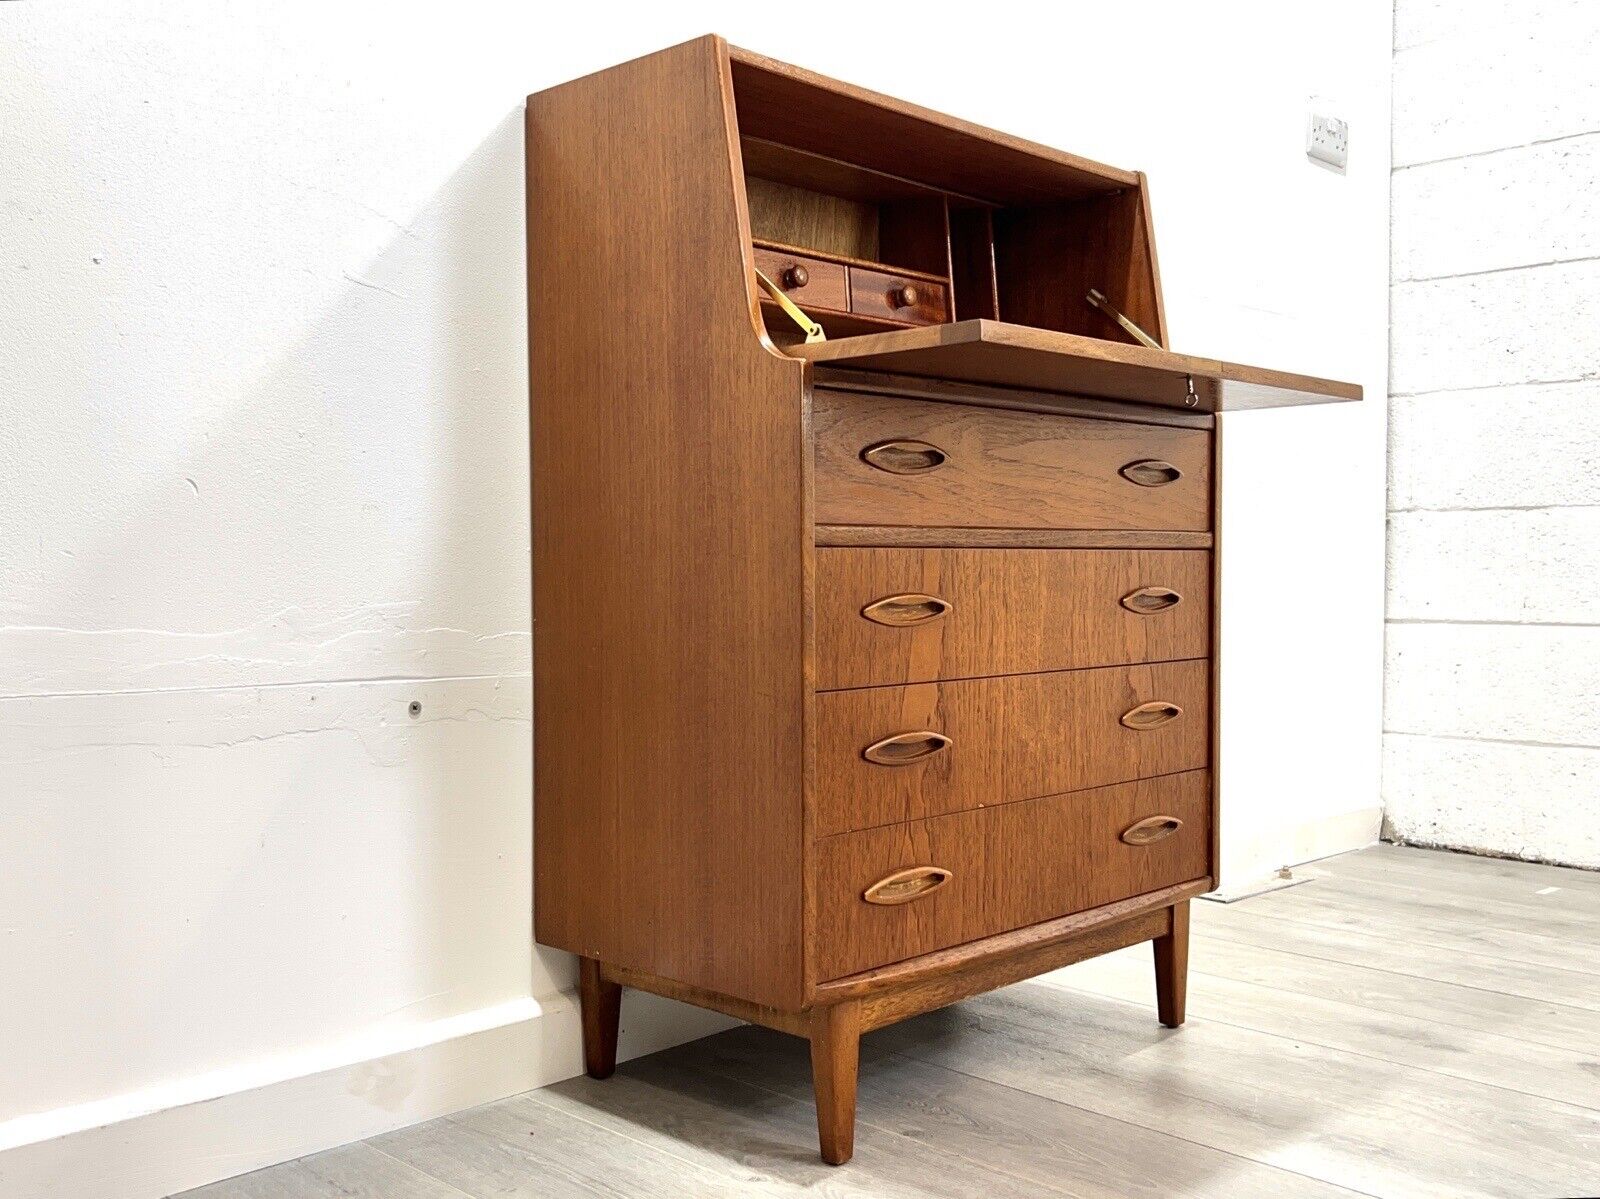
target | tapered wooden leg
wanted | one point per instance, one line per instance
(1172, 967)
(600, 1002)
(835, 1062)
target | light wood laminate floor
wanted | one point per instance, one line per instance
(1408, 1023)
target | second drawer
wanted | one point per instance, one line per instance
(909, 615)
(888, 754)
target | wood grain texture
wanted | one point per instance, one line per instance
(898, 296)
(669, 740)
(782, 1019)
(1172, 967)
(1047, 258)
(1012, 865)
(998, 354)
(825, 284)
(1010, 612)
(835, 1062)
(600, 1005)
(934, 537)
(1019, 398)
(1003, 469)
(799, 108)
(888, 1005)
(972, 264)
(1012, 737)
(807, 219)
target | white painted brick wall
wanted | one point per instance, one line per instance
(1492, 679)
(1475, 77)
(1503, 447)
(1496, 682)
(1526, 801)
(1489, 212)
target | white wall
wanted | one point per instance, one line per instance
(262, 485)
(1492, 730)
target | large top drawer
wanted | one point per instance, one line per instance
(884, 460)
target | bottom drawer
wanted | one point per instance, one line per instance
(1004, 867)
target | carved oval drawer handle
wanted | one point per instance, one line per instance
(905, 885)
(905, 748)
(1151, 829)
(901, 610)
(1151, 715)
(1151, 472)
(904, 457)
(1149, 600)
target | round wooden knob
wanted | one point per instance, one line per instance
(795, 277)
(904, 296)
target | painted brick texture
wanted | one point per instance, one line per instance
(1492, 680)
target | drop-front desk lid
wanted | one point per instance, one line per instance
(1004, 355)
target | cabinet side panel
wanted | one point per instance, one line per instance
(669, 523)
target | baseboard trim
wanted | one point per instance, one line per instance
(185, 1134)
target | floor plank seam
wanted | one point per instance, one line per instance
(444, 1182)
(1434, 900)
(1158, 1131)
(1429, 977)
(1303, 922)
(1322, 1044)
(861, 1122)
(654, 1150)
(1432, 1018)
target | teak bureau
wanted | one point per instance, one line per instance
(878, 670)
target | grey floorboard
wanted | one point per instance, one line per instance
(768, 1136)
(1565, 912)
(349, 1172)
(1403, 955)
(1047, 1144)
(1410, 1023)
(1497, 934)
(532, 1151)
(1477, 1055)
(1361, 1122)
(1489, 877)
(1573, 1031)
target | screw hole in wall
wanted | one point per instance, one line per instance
(415, 707)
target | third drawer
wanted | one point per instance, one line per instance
(889, 754)
(911, 615)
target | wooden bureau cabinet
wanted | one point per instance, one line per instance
(874, 594)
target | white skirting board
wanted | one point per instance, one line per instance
(188, 1133)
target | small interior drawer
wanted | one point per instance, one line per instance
(914, 615)
(887, 894)
(888, 460)
(888, 754)
(813, 282)
(898, 297)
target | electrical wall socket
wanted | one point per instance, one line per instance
(1328, 141)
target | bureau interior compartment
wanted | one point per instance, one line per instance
(968, 226)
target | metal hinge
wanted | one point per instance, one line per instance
(809, 327)
(1104, 305)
